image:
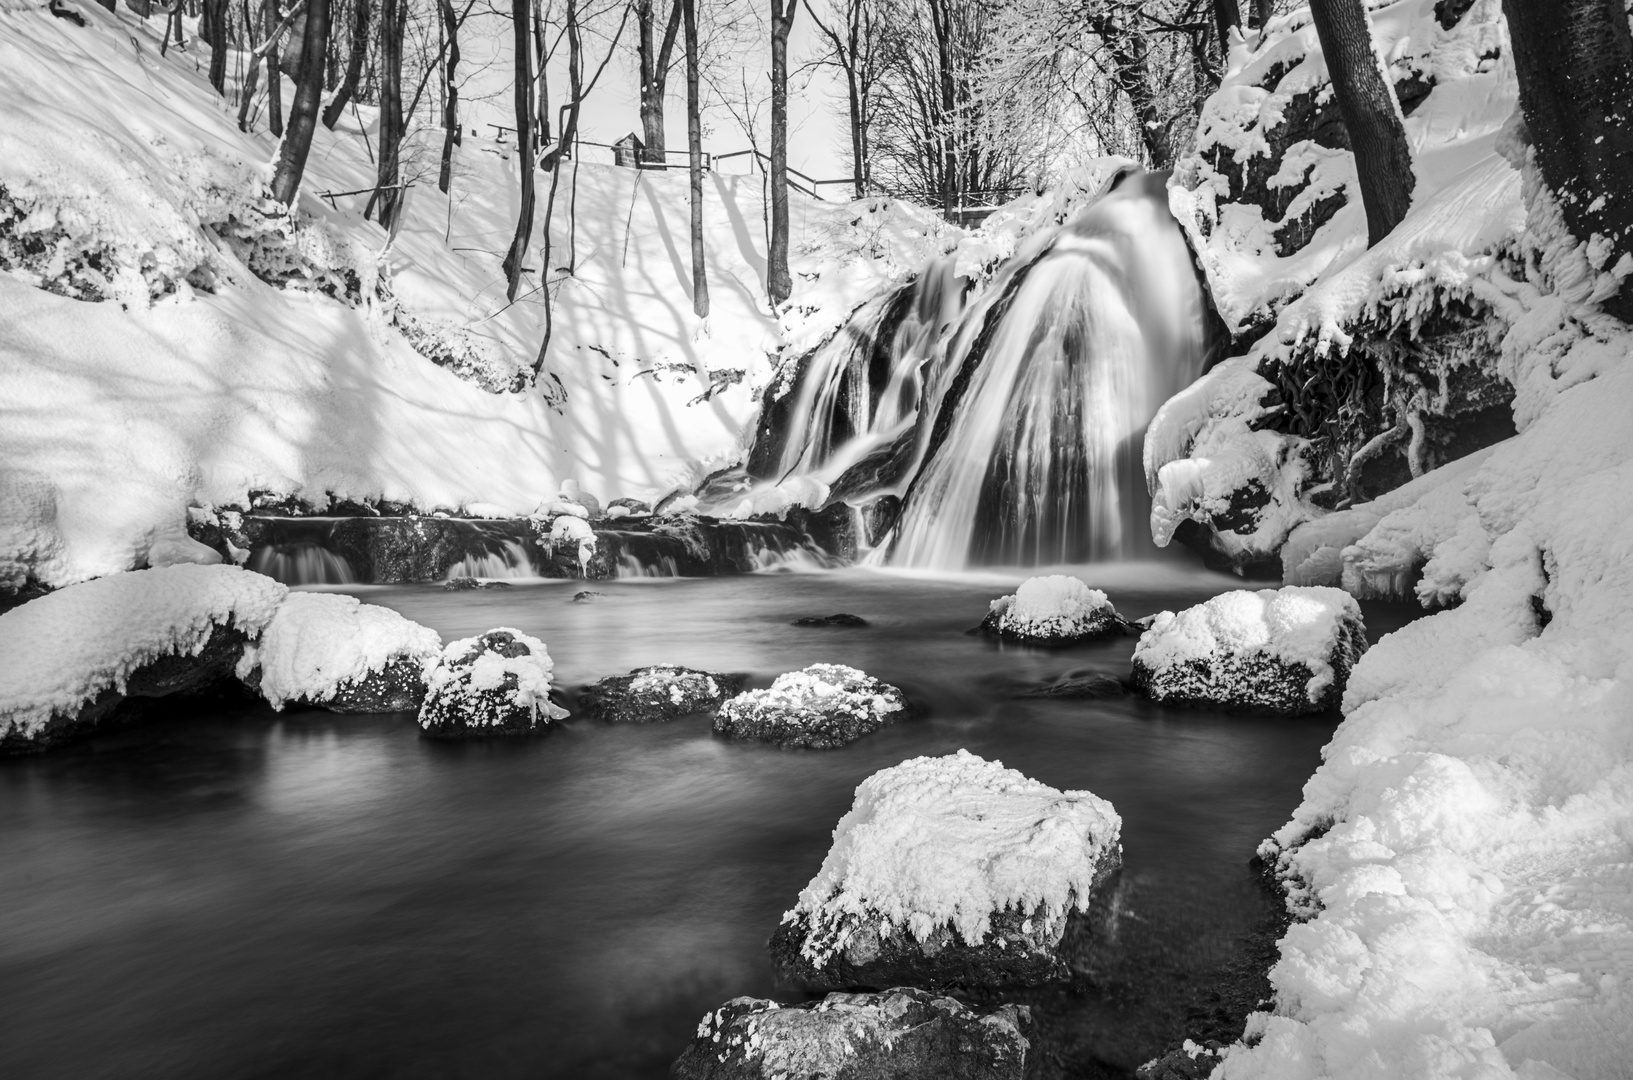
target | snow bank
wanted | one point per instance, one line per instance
(1285, 650)
(950, 842)
(1053, 610)
(497, 683)
(60, 652)
(320, 645)
(819, 707)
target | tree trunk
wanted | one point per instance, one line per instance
(274, 87)
(354, 64)
(1226, 14)
(522, 47)
(694, 148)
(1370, 112)
(1574, 59)
(778, 282)
(392, 18)
(214, 31)
(450, 107)
(303, 111)
(654, 75)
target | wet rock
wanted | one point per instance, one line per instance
(460, 584)
(819, 708)
(904, 1034)
(497, 683)
(832, 620)
(1284, 651)
(587, 596)
(1191, 1061)
(1085, 685)
(1052, 612)
(633, 506)
(659, 693)
(953, 872)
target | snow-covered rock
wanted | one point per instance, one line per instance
(69, 658)
(949, 870)
(337, 653)
(573, 532)
(1052, 611)
(1286, 651)
(497, 683)
(819, 707)
(176, 547)
(904, 1034)
(657, 693)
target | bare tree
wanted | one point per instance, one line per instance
(778, 282)
(521, 43)
(1574, 59)
(855, 43)
(655, 47)
(450, 103)
(354, 64)
(213, 28)
(303, 111)
(1371, 114)
(694, 147)
(387, 192)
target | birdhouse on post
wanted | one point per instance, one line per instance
(626, 152)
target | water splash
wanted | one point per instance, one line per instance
(302, 564)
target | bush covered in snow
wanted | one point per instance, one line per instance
(1286, 651)
(1052, 611)
(69, 658)
(905, 1034)
(949, 870)
(661, 692)
(336, 653)
(820, 707)
(497, 683)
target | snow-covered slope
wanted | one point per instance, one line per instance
(195, 381)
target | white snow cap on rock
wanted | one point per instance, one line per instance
(449, 676)
(951, 840)
(62, 650)
(1294, 625)
(175, 548)
(1054, 606)
(816, 689)
(319, 642)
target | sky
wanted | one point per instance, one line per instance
(817, 127)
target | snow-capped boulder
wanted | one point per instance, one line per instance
(657, 693)
(497, 683)
(570, 531)
(950, 871)
(337, 653)
(1286, 651)
(572, 493)
(819, 708)
(176, 548)
(69, 659)
(631, 507)
(904, 1034)
(1052, 611)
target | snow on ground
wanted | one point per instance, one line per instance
(60, 651)
(196, 382)
(319, 643)
(950, 840)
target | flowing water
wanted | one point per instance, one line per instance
(238, 893)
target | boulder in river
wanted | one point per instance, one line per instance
(819, 708)
(1052, 612)
(950, 871)
(1286, 651)
(658, 693)
(841, 619)
(903, 1034)
(1079, 684)
(497, 683)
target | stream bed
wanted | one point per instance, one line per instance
(233, 892)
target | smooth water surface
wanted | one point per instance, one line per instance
(251, 894)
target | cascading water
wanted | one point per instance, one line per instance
(1033, 457)
(510, 561)
(302, 564)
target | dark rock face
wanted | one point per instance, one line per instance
(1254, 683)
(903, 1034)
(820, 708)
(462, 702)
(1090, 685)
(831, 620)
(166, 676)
(659, 693)
(397, 687)
(1196, 1063)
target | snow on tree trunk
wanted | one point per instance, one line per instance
(1371, 115)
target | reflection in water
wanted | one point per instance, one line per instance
(251, 894)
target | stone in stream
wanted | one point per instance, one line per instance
(903, 1034)
(819, 708)
(840, 619)
(951, 872)
(1092, 684)
(1053, 612)
(587, 596)
(497, 683)
(658, 693)
(459, 584)
(1285, 651)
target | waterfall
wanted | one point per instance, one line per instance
(510, 561)
(302, 564)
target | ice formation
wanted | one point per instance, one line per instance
(319, 644)
(952, 841)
